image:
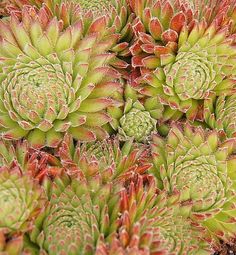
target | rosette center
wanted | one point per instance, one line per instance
(138, 124)
(200, 183)
(191, 76)
(37, 93)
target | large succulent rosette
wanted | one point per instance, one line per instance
(54, 81)
(20, 200)
(197, 164)
(150, 224)
(220, 113)
(77, 215)
(204, 65)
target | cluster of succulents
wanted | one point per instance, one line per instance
(118, 127)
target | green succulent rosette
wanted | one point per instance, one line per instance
(20, 200)
(203, 65)
(77, 215)
(196, 163)
(150, 223)
(55, 81)
(219, 113)
(136, 120)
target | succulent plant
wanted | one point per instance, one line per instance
(219, 113)
(117, 124)
(135, 122)
(57, 80)
(157, 27)
(159, 23)
(38, 164)
(117, 13)
(204, 65)
(20, 199)
(150, 224)
(77, 215)
(196, 163)
(14, 246)
(222, 10)
(104, 159)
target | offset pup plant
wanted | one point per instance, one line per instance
(117, 127)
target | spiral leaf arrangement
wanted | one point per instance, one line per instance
(118, 126)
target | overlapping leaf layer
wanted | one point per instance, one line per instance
(118, 126)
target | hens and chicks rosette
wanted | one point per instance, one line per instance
(118, 126)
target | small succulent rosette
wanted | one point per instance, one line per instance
(135, 121)
(220, 114)
(21, 199)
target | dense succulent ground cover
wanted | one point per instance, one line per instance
(118, 126)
